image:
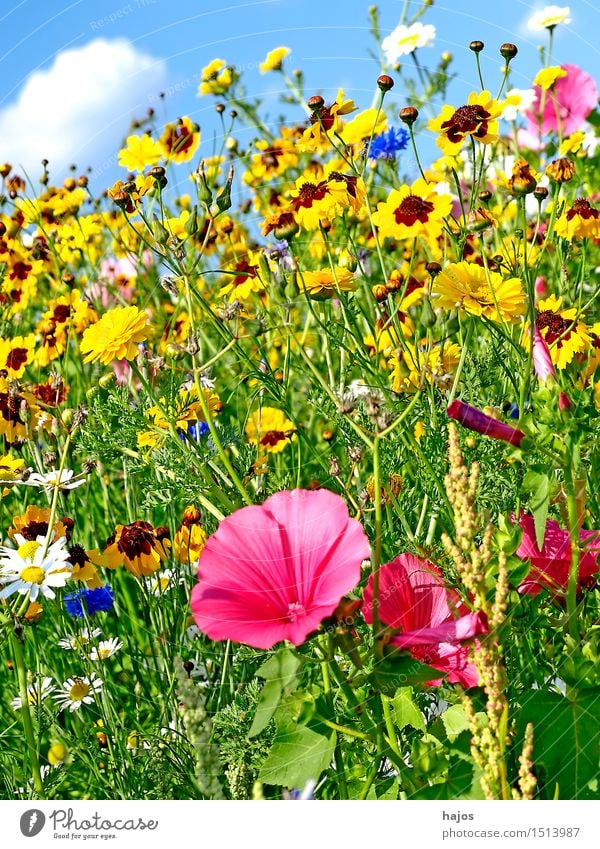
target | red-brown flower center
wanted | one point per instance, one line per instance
(16, 358)
(583, 209)
(272, 437)
(413, 209)
(557, 326)
(310, 192)
(467, 120)
(136, 539)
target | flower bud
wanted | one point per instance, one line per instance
(408, 115)
(561, 170)
(540, 193)
(379, 292)
(385, 82)
(476, 46)
(508, 50)
(475, 419)
(224, 198)
(564, 402)
(315, 103)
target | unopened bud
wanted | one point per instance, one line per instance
(476, 46)
(408, 115)
(385, 82)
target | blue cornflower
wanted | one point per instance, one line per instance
(387, 144)
(195, 431)
(95, 601)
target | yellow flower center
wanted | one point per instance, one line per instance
(28, 549)
(103, 653)
(33, 575)
(79, 691)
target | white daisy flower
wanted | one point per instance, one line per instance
(75, 692)
(79, 641)
(105, 649)
(29, 569)
(162, 581)
(404, 40)
(62, 479)
(519, 101)
(36, 693)
(549, 16)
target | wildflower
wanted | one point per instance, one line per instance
(189, 538)
(561, 170)
(550, 566)
(546, 77)
(180, 141)
(542, 361)
(56, 479)
(185, 411)
(269, 428)
(12, 470)
(523, 180)
(105, 649)
(571, 98)
(216, 78)
(16, 354)
(324, 119)
(138, 547)
(327, 282)
(89, 601)
(406, 39)
(57, 754)
(475, 419)
(478, 118)
(432, 622)
(412, 367)
(79, 641)
(386, 145)
(562, 331)
(518, 101)
(75, 692)
(140, 152)
(36, 693)
(115, 336)
(33, 570)
(274, 572)
(34, 522)
(471, 288)
(580, 221)
(274, 59)
(411, 211)
(549, 17)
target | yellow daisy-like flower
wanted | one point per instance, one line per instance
(274, 59)
(179, 141)
(139, 547)
(139, 152)
(327, 282)
(185, 410)
(369, 123)
(11, 471)
(414, 366)
(561, 329)
(115, 336)
(572, 144)
(411, 211)
(216, 78)
(270, 430)
(478, 118)
(325, 120)
(548, 76)
(468, 287)
(189, 538)
(582, 220)
(16, 354)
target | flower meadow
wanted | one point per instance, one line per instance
(299, 466)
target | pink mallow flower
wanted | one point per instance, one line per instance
(550, 566)
(475, 419)
(433, 622)
(542, 361)
(274, 572)
(566, 105)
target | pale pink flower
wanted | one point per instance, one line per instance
(542, 361)
(566, 105)
(274, 572)
(432, 620)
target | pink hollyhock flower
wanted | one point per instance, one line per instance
(550, 566)
(567, 104)
(475, 419)
(434, 623)
(542, 361)
(274, 572)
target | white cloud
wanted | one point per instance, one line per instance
(79, 109)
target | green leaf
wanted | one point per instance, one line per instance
(566, 741)
(457, 784)
(455, 721)
(280, 673)
(401, 670)
(296, 757)
(537, 483)
(405, 710)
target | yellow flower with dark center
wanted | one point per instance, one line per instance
(325, 120)
(180, 141)
(316, 200)
(478, 118)
(139, 547)
(242, 279)
(115, 336)
(139, 152)
(273, 158)
(33, 523)
(270, 430)
(185, 410)
(16, 354)
(412, 367)
(327, 282)
(11, 471)
(468, 287)
(216, 78)
(563, 332)
(20, 414)
(580, 221)
(274, 59)
(412, 211)
(189, 538)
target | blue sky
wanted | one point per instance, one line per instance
(74, 73)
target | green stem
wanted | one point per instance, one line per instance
(26, 717)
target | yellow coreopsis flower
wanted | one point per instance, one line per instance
(411, 211)
(581, 221)
(478, 118)
(572, 144)
(216, 78)
(370, 122)
(471, 288)
(115, 336)
(274, 59)
(412, 367)
(12, 470)
(563, 332)
(548, 76)
(16, 354)
(270, 429)
(139, 152)
(327, 282)
(179, 141)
